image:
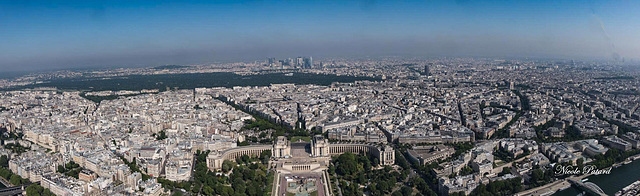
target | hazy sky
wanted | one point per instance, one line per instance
(37, 35)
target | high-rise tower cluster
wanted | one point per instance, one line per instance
(298, 62)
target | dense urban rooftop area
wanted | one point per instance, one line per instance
(446, 126)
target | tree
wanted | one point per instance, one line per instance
(207, 190)
(265, 156)
(47, 192)
(347, 164)
(406, 191)
(161, 135)
(225, 190)
(400, 161)
(177, 193)
(366, 163)
(466, 170)
(580, 163)
(4, 161)
(5, 173)
(505, 171)
(252, 188)
(383, 186)
(536, 175)
(34, 189)
(61, 169)
(196, 187)
(227, 165)
(245, 159)
(243, 143)
(461, 193)
(15, 180)
(201, 157)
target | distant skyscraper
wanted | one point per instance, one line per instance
(290, 62)
(271, 61)
(299, 62)
(308, 62)
(426, 70)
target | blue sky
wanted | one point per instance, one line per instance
(40, 35)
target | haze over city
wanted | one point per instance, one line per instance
(51, 35)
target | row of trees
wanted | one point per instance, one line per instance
(401, 161)
(502, 187)
(611, 157)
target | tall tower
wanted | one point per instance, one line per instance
(426, 70)
(308, 62)
(271, 60)
(299, 62)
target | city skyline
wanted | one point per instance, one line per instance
(44, 35)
